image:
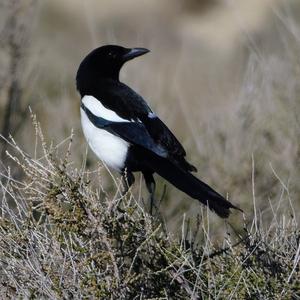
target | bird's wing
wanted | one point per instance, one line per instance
(130, 106)
(133, 132)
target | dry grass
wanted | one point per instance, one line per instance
(66, 232)
(60, 237)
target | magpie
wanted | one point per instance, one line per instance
(125, 133)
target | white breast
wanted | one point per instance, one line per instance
(111, 149)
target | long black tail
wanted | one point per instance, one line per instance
(190, 185)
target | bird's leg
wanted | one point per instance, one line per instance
(128, 180)
(150, 183)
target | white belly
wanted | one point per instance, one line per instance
(111, 149)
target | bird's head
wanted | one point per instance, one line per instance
(106, 62)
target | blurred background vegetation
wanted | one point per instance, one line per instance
(224, 75)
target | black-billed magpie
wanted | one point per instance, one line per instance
(127, 135)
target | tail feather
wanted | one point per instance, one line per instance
(190, 185)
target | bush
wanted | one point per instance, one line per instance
(62, 236)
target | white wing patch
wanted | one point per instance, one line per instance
(152, 115)
(108, 147)
(97, 109)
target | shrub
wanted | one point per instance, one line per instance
(61, 236)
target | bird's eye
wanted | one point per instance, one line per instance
(111, 55)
